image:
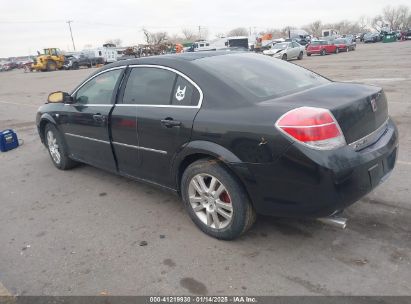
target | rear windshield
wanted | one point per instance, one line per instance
(259, 77)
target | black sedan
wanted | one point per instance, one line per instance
(234, 134)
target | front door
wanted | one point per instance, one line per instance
(85, 121)
(166, 103)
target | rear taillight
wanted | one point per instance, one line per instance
(314, 127)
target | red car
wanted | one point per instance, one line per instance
(321, 47)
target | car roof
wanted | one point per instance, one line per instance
(190, 56)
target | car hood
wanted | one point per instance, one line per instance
(275, 51)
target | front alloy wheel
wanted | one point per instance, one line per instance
(57, 148)
(53, 147)
(210, 201)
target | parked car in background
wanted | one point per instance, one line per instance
(407, 35)
(322, 47)
(342, 44)
(73, 62)
(350, 37)
(286, 51)
(372, 37)
(8, 66)
(345, 45)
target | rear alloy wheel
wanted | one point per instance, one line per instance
(322, 53)
(57, 149)
(210, 201)
(300, 56)
(215, 201)
(284, 57)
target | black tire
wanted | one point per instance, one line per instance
(300, 56)
(75, 66)
(51, 65)
(65, 162)
(284, 57)
(322, 53)
(243, 214)
(308, 54)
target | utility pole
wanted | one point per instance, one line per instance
(199, 32)
(71, 33)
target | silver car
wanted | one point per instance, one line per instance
(286, 50)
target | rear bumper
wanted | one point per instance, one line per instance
(311, 183)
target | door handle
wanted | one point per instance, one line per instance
(99, 118)
(169, 123)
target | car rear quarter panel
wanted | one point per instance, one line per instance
(247, 132)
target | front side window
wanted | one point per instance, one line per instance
(100, 89)
(149, 86)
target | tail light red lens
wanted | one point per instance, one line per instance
(314, 127)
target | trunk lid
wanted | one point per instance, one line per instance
(359, 109)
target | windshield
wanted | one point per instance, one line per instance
(280, 46)
(259, 77)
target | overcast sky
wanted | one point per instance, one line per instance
(27, 25)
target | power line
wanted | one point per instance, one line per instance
(30, 22)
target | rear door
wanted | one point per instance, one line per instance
(166, 103)
(85, 121)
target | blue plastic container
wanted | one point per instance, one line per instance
(8, 140)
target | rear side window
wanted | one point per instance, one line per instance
(149, 86)
(185, 94)
(259, 77)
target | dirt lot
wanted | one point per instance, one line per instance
(79, 232)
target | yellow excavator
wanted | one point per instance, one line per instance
(51, 59)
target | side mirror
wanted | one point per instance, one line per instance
(57, 97)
